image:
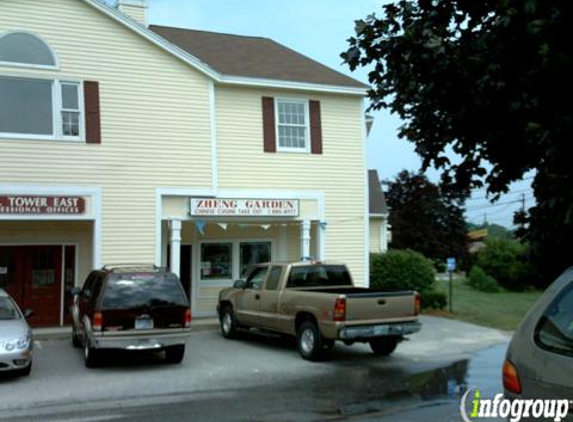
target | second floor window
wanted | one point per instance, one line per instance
(40, 109)
(292, 125)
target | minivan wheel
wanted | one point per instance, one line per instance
(228, 323)
(175, 354)
(91, 358)
(383, 346)
(309, 341)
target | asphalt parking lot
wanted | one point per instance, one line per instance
(255, 378)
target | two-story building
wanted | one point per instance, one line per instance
(122, 142)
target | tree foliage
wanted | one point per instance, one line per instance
(425, 220)
(488, 81)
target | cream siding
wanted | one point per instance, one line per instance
(339, 172)
(155, 121)
(375, 227)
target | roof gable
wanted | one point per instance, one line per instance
(256, 73)
(376, 195)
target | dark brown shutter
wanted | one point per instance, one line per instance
(92, 109)
(269, 131)
(315, 127)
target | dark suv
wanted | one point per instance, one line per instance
(131, 308)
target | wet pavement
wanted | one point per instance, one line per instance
(262, 378)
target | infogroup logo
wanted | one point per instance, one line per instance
(515, 410)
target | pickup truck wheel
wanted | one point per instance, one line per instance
(91, 356)
(175, 354)
(228, 323)
(383, 346)
(309, 341)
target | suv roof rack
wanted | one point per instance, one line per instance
(132, 266)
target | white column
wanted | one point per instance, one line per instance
(175, 242)
(320, 240)
(305, 240)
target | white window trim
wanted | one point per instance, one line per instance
(56, 65)
(57, 124)
(306, 149)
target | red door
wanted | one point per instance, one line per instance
(33, 277)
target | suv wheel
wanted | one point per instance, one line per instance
(309, 341)
(175, 354)
(228, 323)
(383, 346)
(76, 339)
(91, 358)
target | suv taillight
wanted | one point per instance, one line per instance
(417, 304)
(97, 322)
(188, 318)
(511, 378)
(339, 309)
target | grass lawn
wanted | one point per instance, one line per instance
(503, 310)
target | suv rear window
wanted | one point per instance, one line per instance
(124, 291)
(319, 276)
(555, 329)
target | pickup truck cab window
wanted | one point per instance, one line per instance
(274, 278)
(319, 276)
(257, 278)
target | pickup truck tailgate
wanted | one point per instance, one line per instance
(380, 306)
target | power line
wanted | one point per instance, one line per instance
(511, 192)
(497, 204)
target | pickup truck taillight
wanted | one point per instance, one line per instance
(339, 309)
(417, 304)
(97, 322)
(188, 318)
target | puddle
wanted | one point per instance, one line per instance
(446, 383)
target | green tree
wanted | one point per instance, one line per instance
(488, 81)
(425, 220)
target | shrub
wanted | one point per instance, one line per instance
(506, 261)
(479, 280)
(401, 270)
(433, 299)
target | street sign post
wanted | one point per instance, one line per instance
(451, 267)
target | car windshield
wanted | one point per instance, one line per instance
(319, 276)
(7, 309)
(125, 291)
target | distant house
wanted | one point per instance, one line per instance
(380, 234)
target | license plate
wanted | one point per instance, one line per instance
(143, 324)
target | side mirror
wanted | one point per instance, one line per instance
(240, 284)
(28, 313)
(75, 291)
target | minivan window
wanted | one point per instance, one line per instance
(7, 310)
(319, 276)
(125, 291)
(555, 329)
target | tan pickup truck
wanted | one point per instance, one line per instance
(318, 304)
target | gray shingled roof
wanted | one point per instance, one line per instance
(377, 199)
(253, 57)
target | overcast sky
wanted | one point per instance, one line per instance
(319, 29)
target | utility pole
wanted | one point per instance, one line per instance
(523, 202)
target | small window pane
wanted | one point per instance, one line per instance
(43, 271)
(274, 278)
(216, 261)
(71, 123)
(25, 48)
(26, 106)
(253, 253)
(70, 97)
